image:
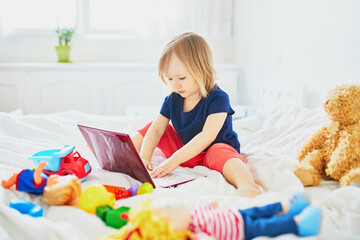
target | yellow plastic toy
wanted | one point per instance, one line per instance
(95, 196)
(145, 188)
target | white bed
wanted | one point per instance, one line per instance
(272, 138)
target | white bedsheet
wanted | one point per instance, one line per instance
(272, 138)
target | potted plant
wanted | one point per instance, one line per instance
(63, 49)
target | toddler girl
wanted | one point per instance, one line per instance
(201, 133)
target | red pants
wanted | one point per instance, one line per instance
(214, 158)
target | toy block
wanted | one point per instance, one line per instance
(26, 207)
(102, 211)
(117, 218)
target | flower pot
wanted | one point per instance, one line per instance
(63, 53)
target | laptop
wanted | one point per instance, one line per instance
(116, 152)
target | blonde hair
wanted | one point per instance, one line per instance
(195, 54)
(66, 192)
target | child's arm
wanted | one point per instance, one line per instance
(152, 139)
(202, 140)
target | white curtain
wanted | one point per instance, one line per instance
(165, 18)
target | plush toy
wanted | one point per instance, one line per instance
(334, 151)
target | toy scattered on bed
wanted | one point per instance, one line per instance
(334, 151)
(26, 207)
(95, 196)
(98, 195)
(176, 222)
(100, 200)
(56, 190)
(115, 218)
(121, 192)
(63, 161)
(144, 223)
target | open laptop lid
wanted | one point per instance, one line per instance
(116, 152)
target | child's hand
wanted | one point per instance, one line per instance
(164, 168)
(147, 164)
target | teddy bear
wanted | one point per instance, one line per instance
(333, 152)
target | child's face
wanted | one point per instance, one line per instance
(180, 79)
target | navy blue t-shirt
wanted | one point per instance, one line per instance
(189, 124)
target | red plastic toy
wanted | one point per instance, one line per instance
(73, 163)
(122, 193)
(111, 188)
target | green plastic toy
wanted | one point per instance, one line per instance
(117, 218)
(102, 211)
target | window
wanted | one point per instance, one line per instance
(117, 16)
(140, 18)
(36, 17)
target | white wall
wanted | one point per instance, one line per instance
(314, 42)
(41, 49)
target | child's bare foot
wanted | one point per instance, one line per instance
(247, 191)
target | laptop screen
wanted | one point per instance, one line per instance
(116, 152)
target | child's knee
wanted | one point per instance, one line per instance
(218, 154)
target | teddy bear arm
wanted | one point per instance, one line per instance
(316, 141)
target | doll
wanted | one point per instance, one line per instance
(270, 220)
(292, 216)
(209, 222)
(56, 190)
